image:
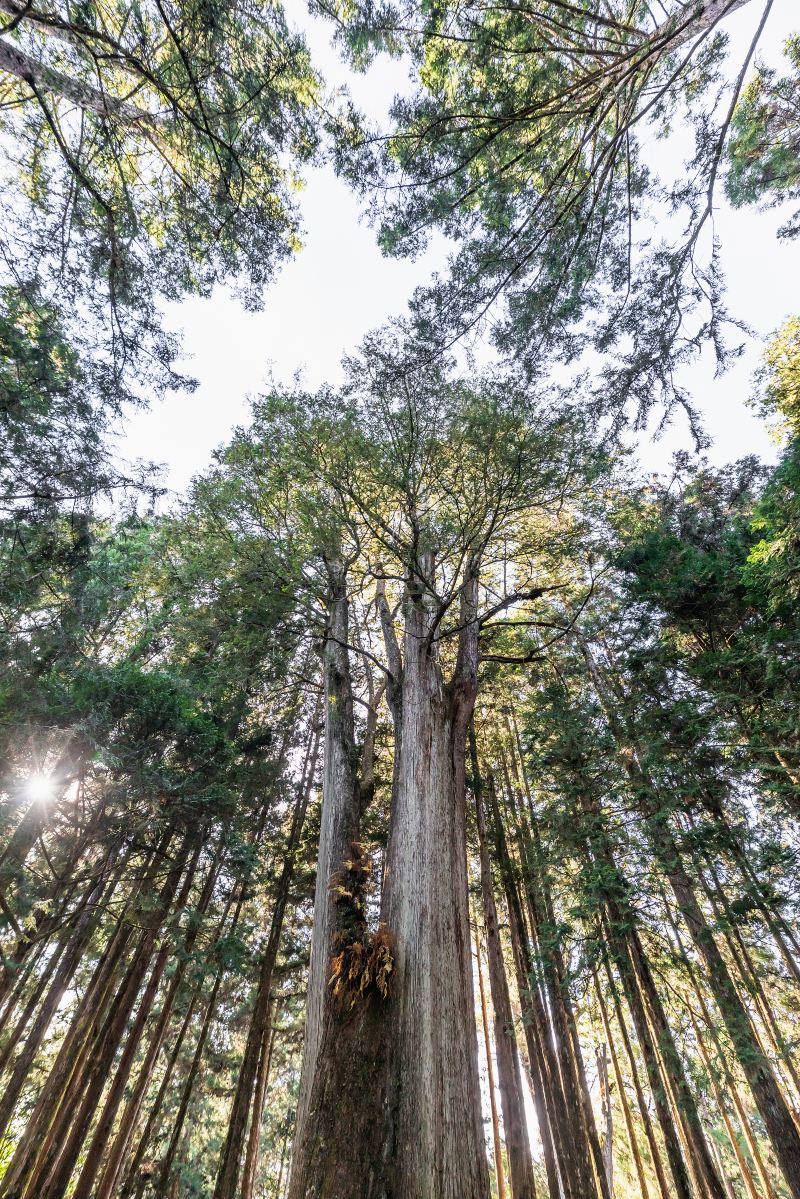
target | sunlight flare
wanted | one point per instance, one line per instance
(39, 787)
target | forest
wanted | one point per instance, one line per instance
(409, 809)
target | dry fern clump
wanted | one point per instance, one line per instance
(362, 962)
(349, 887)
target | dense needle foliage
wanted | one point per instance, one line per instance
(411, 809)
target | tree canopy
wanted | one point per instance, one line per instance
(410, 808)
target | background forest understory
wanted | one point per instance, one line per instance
(411, 808)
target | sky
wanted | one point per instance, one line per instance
(339, 287)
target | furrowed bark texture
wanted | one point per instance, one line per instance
(758, 1071)
(438, 1137)
(390, 1098)
(340, 1136)
(508, 1068)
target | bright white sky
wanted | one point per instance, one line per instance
(340, 286)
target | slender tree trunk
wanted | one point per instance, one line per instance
(49, 1110)
(775, 1112)
(64, 971)
(259, 1030)
(102, 1132)
(147, 1133)
(53, 1172)
(730, 1083)
(168, 1160)
(130, 1179)
(497, 1140)
(769, 1099)
(622, 1092)
(519, 1154)
(785, 938)
(633, 968)
(644, 1111)
(742, 961)
(605, 1100)
(235, 901)
(250, 1167)
(648, 1013)
(105, 1186)
(577, 1139)
(530, 825)
(719, 1098)
(543, 1090)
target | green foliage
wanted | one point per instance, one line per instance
(521, 142)
(637, 648)
(715, 556)
(773, 563)
(764, 150)
(56, 408)
(153, 151)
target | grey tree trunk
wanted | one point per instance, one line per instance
(508, 1067)
(438, 1145)
(342, 1122)
(390, 1098)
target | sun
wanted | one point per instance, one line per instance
(39, 787)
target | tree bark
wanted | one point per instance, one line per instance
(577, 1142)
(769, 1099)
(497, 1140)
(533, 1018)
(775, 1112)
(49, 1108)
(52, 1174)
(40, 76)
(437, 1146)
(390, 1099)
(622, 1091)
(260, 1020)
(644, 1111)
(65, 968)
(342, 1120)
(518, 1148)
(250, 1168)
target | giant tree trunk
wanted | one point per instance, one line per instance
(390, 1098)
(438, 1146)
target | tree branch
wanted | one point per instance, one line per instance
(15, 62)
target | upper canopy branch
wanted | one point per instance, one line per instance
(91, 99)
